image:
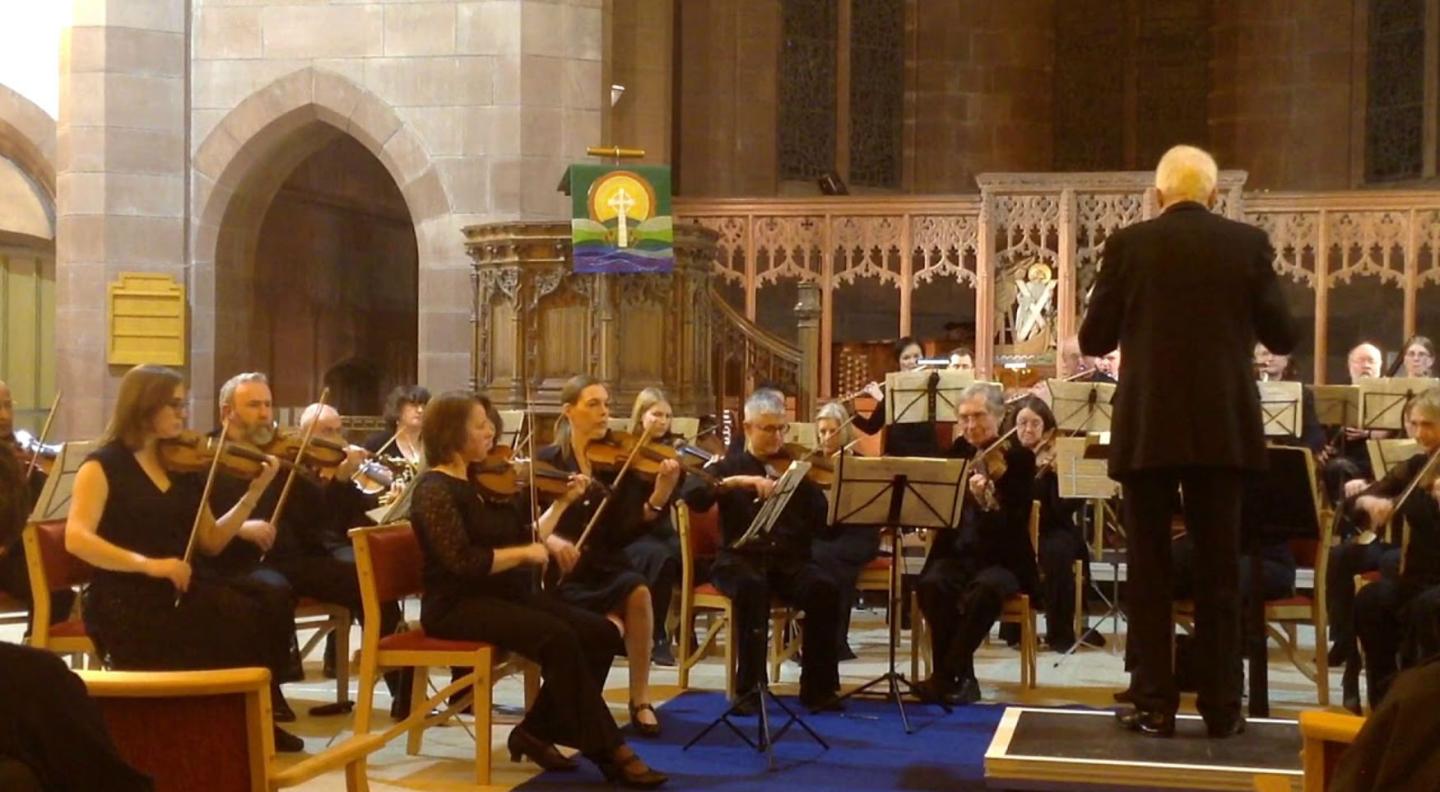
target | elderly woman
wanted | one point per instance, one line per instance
(844, 551)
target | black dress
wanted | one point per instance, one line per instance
(459, 533)
(134, 619)
(604, 577)
(907, 439)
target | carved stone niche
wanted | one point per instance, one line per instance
(537, 323)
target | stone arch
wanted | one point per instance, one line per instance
(245, 159)
(27, 136)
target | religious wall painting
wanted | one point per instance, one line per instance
(620, 219)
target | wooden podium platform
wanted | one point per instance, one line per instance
(1063, 749)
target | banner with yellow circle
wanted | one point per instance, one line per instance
(620, 218)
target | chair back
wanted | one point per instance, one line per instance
(699, 538)
(389, 563)
(190, 730)
(53, 567)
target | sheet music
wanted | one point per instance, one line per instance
(1081, 406)
(1337, 405)
(54, 501)
(1280, 408)
(1389, 452)
(1079, 476)
(514, 422)
(774, 505)
(907, 395)
(1383, 399)
(802, 433)
(865, 487)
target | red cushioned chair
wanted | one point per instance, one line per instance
(53, 568)
(389, 561)
(701, 537)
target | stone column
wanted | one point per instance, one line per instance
(121, 183)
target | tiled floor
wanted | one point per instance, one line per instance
(1087, 678)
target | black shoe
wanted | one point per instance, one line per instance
(280, 710)
(642, 728)
(285, 742)
(1221, 731)
(627, 769)
(1061, 645)
(846, 653)
(661, 655)
(822, 703)
(969, 692)
(1123, 696)
(1093, 638)
(1151, 724)
(523, 743)
(746, 706)
(938, 689)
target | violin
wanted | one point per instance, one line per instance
(822, 465)
(193, 452)
(990, 463)
(500, 475)
(611, 452)
(320, 454)
(31, 451)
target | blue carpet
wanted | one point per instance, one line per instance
(868, 750)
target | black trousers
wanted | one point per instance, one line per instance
(15, 581)
(1212, 502)
(574, 648)
(1059, 550)
(51, 726)
(1397, 624)
(1346, 561)
(801, 583)
(961, 600)
(843, 557)
(657, 559)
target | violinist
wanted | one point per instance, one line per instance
(907, 439)
(788, 572)
(655, 554)
(1061, 540)
(16, 497)
(1419, 357)
(246, 403)
(131, 519)
(1347, 466)
(404, 413)
(479, 554)
(1396, 617)
(971, 570)
(842, 552)
(601, 579)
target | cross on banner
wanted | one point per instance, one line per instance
(621, 203)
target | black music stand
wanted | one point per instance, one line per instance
(758, 536)
(892, 494)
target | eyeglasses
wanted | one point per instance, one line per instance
(770, 429)
(179, 405)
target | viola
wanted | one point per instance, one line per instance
(320, 454)
(822, 465)
(612, 451)
(193, 452)
(500, 475)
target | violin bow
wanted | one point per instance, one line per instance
(44, 433)
(530, 447)
(615, 485)
(299, 460)
(205, 498)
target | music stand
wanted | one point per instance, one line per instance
(892, 494)
(1337, 405)
(1388, 452)
(1081, 406)
(1383, 400)
(1082, 469)
(686, 427)
(1280, 408)
(758, 536)
(918, 396)
(802, 433)
(54, 500)
(514, 422)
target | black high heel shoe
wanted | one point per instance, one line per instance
(627, 769)
(644, 729)
(523, 743)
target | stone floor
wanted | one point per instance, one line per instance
(1087, 678)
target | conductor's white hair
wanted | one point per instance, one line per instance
(988, 391)
(1186, 173)
(227, 391)
(314, 412)
(764, 402)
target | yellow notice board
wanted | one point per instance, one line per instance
(147, 320)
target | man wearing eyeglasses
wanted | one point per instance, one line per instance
(747, 478)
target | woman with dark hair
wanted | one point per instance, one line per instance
(404, 411)
(907, 439)
(1061, 543)
(480, 554)
(131, 519)
(602, 579)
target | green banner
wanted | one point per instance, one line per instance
(620, 218)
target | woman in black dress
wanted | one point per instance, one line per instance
(480, 585)
(601, 579)
(906, 439)
(655, 553)
(131, 519)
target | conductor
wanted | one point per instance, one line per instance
(1187, 295)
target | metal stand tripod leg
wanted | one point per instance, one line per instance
(762, 696)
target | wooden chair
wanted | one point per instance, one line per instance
(389, 561)
(1284, 616)
(1017, 609)
(52, 568)
(1325, 737)
(700, 536)
(327, 619)
(211, 730)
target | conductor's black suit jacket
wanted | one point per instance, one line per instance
(1186, 296)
